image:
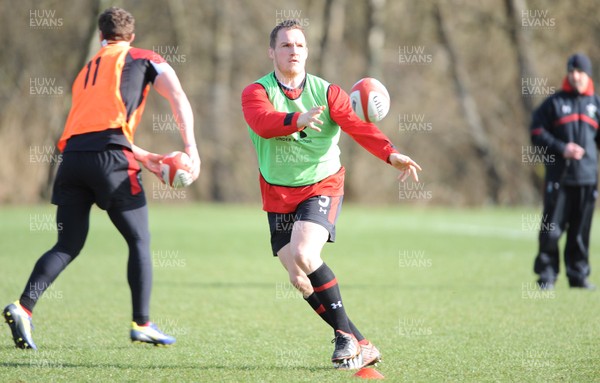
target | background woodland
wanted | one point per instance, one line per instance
(463, 76)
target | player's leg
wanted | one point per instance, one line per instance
(314, 226)
(281, 230)
(122, 196)
(72, 223)
(133, 226)
(369, 353)
(324, 211)
(306, 243)
(546, 263)
(578, 236)
(301, 282)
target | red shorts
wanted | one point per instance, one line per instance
(285, 199)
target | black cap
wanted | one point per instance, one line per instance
(581, 62)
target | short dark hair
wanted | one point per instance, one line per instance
(285, 24)
(116, 24)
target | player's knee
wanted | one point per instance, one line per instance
(303, 257)
(67, 250)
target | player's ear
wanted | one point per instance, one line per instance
(271, 53)
(132, 37)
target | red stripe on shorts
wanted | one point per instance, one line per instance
(333, 209)
(132, 171)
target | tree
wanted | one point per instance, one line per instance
(480, 141)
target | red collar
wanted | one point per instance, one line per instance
(567, 87)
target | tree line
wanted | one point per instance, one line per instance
(463, 78)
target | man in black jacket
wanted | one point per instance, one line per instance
(564, 127)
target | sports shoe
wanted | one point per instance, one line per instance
(346, 347)
(370, 354)
(354, 363)
(150, 334)
(20, 325)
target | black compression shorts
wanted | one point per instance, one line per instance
(109, 178)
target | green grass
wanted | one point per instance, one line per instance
(447, 295)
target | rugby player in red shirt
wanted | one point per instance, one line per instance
(294, 121)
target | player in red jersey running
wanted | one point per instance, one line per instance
(294, 121)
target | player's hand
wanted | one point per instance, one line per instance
(574, 151)
(151, 161)
(192, 151)
(406, 165)
(310, 119)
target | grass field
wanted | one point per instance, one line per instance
(447, 295)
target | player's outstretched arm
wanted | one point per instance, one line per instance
(167, 85)
(407, 167)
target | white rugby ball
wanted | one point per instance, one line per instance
(370, 99)
(176, 169)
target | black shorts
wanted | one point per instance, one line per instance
(323, 210)
(109, 178)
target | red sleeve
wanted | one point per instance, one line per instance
(262, 117)
(366, 134)
(138, 53)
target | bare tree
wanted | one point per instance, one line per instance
(220, 110)
(376, 37)
(522, 41)
(481, 143)
(332, 39)
(224, 43)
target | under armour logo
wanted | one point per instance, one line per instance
(324, 201)
(336, 305)
(324, 204)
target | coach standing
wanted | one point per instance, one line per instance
(566, 126)
(100, 165)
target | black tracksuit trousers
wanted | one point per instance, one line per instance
(570, 209)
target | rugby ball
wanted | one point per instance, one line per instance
(176, 169)
(370, 99)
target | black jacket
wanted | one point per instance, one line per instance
(564, 117)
